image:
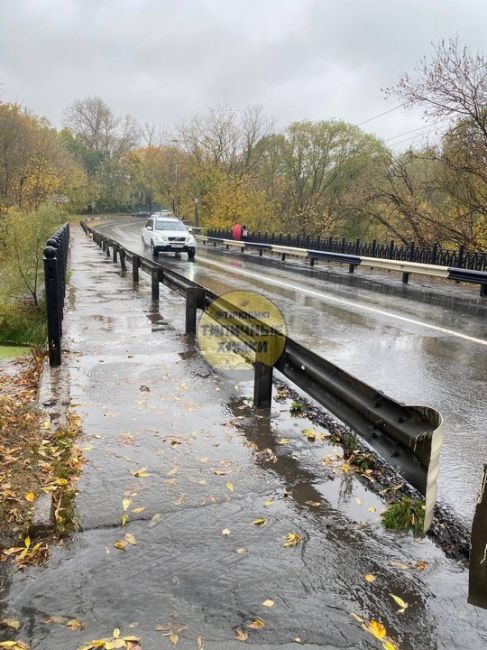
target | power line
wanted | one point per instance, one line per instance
(375, 117)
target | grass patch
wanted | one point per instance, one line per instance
(405, 514)
(13, 351)
(297, 408)
(22, 324)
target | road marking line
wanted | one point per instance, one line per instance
(343, 301)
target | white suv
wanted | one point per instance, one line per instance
(168, 234)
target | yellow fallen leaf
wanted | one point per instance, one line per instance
(226, 531)
(345, 468)
(27, 541)
(376, 629)
(116, 633)
(121, 544)
(124, 519)
(358, 501)
(30, 497)
(268, 603)
(240, 634)
(130, 539)
(268, 502)
(257, 624)
(200, 643)
(229, 486)
(46, 424)
(61, 481)
(15, 645)
(137, 510)
(140, 473)
(173, 471)
(240, 550)
(420, 565)
(370, 578)
(292, 539)
(283, 441)
(126, 504)
(402, 604)
(74, 624)
(358, 618)
(155, 519)
(10, 622)
(314, 504)
(174, 638)
(204, 460)
(387, 644)
(298, 639)
(372, 509)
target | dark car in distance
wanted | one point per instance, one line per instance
(142, 215)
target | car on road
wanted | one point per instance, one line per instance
(168, 234)
(143, 214)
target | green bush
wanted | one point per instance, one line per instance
(22, 324)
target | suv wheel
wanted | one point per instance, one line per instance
(191, 255)
(153, 250)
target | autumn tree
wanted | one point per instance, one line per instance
(452, 89)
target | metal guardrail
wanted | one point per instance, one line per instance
(409, 437)
(461, 258)
(55, 265)
(354, 261)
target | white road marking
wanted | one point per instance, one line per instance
(342, 301)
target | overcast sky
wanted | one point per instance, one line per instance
(162, 61)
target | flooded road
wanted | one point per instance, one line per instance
(416, 352)
(211, 490)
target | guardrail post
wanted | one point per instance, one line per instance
(311, 261)
(477, 575)
(115, 251)
(434, 253)
(411, 252)
(351, 268)
(155, 284)
(483, 290)
(262, 384)
(194, 299)
(123, 264)
(391, 250)
(135, 268)
(405, 277)
(283, 257)
(107, 244)
(461, 253)
(52, 303)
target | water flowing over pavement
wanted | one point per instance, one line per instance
(177, 449)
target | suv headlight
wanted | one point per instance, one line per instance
(161, 239)
(191, 240)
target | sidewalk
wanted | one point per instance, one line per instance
(175, 449)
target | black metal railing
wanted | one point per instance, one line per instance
(460, 258)
(55, 265)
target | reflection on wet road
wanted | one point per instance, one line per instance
(414, 351)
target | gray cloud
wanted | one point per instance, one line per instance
(162, 61)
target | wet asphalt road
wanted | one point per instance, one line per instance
(414, 351)
(200, 566)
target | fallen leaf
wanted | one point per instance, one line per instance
(376, 629)
(345, 468)
(370, 578)
(229, 486)
(74, 624)
(130, 539)
(259, 522)
(399, 601)
(358, 501)
(15, 645)
(140, 473)
(137, 510)
(268, 502)
(58, 620)
(174, 638)
(372, 509)
(292, 539)
(257, 624)
(154, 519)
(204, 460)
(387, 644)
(314, 504)
(226, 531)
(241, 550)
(268, 603)
(173, 471)
(10, 622)
(30, 497)
(240, 634)
(283, 441)
(420, 565)
(126, 504)
(121, 544)
(298, 639)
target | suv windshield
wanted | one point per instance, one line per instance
(170, 225)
